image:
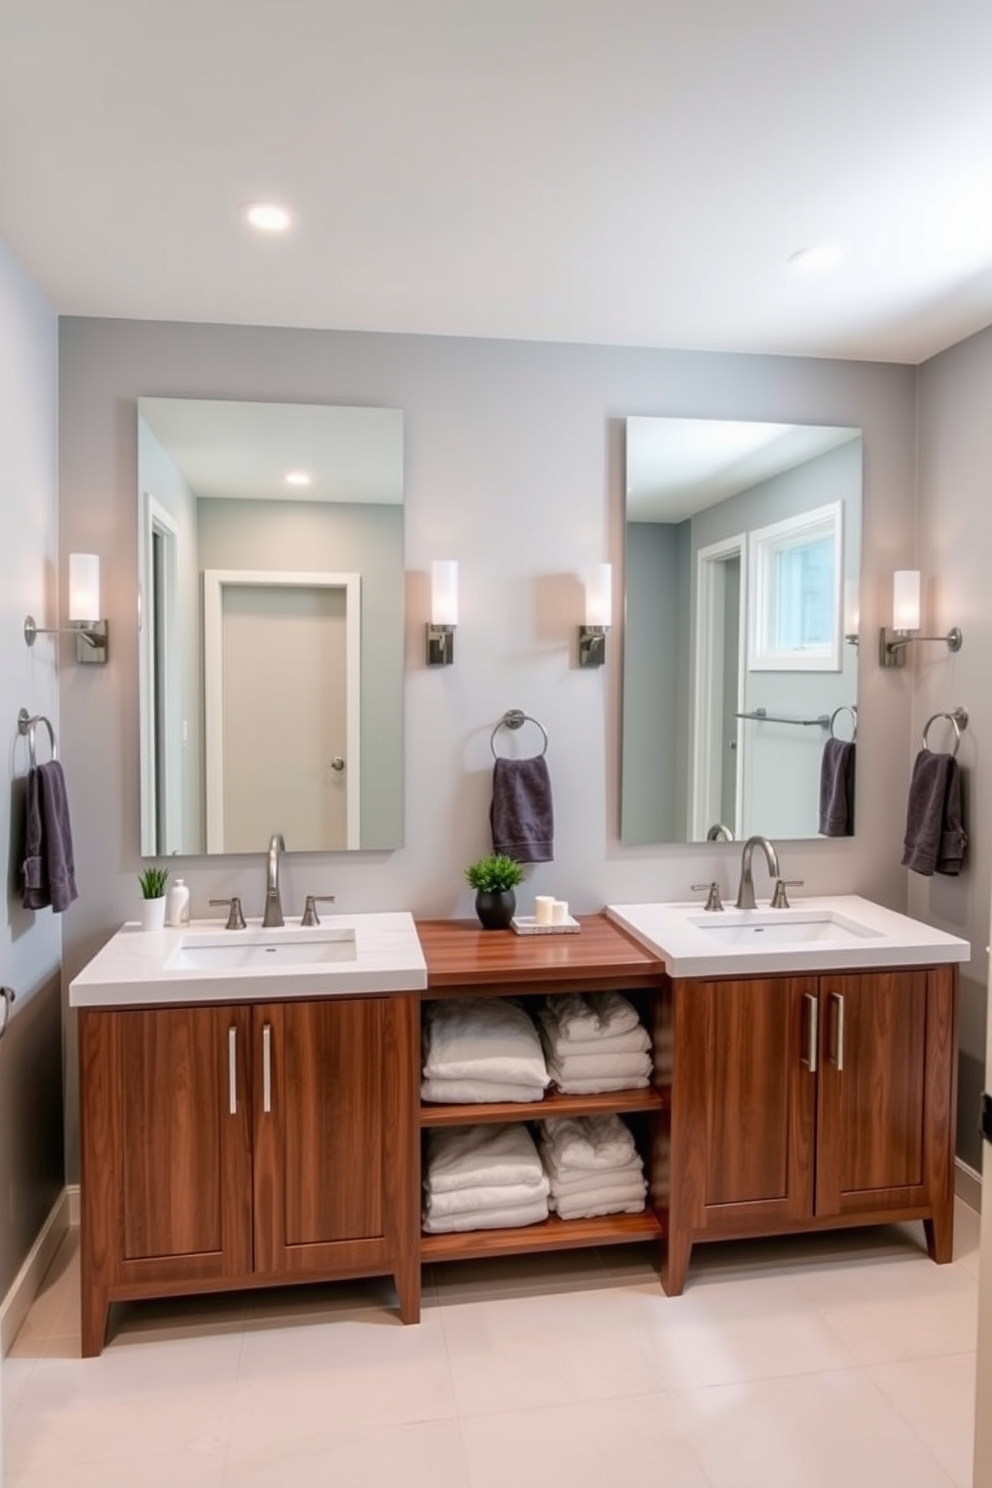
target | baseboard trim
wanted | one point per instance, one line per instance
(27, 1282)
(968, 1185)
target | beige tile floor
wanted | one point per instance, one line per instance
(841, 1361)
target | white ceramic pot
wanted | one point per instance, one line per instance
(153, 913)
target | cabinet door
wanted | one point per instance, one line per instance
(744, 1103)
(885, 1121)
(319, 1125)
(182, 1144)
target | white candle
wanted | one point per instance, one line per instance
(559, 912)
(543, 909)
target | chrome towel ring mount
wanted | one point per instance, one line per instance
(957, 718)
(515, 718)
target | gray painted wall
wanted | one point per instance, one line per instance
(514, 465)
(954, 542)
(31, 1167)
(652, 807)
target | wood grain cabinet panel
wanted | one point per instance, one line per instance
(808, 1102)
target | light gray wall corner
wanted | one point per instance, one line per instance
(31, 1158)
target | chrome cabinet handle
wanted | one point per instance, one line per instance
(267, 1067)
(838, 1057)
(812, 1035)
(232, 1071)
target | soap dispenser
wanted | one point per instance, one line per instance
(177, 904)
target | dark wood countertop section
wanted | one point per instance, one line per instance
(460, 954)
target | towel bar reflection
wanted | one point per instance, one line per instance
(26, 724)
(762, 715)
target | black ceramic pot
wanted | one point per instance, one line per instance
(495, 908)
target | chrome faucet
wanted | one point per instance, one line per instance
(273, 903)
(745, 889)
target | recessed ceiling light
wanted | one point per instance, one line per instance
(812, 260)
(267, 216)
(298, 478)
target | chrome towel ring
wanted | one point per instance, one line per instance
(851, 708)
(26, 724)
(515, 718)
(958, 719)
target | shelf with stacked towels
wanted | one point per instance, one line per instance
(651, 1098)
(551, 1234)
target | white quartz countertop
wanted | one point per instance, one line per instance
(830, 933)
(380, 952)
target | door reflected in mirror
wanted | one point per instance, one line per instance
(743, 542)
(271, 580)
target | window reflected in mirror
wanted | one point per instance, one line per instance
(742, 552)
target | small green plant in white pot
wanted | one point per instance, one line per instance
(151, 881)
(494, 879)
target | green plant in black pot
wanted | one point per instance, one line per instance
(494, 879)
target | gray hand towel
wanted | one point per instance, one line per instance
(935, 837)
(49, 867)
(521, 814)
(837, 789)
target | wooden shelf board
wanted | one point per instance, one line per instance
(552, 1234)
(620, 1101)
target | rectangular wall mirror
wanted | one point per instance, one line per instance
(740, 645)
(271, 585)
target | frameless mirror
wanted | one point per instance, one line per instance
(271, 581)
(740, 638)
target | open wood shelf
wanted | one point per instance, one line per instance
(653, 1098)
(552, 1234)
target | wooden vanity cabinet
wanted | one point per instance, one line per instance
(811, 1102)
(246, 1145)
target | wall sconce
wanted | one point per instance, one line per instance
(84, 607)
(599, 613)
(852, 613)
(444, 612)
(893, 642)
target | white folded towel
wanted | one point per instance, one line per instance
(590, 1066)
(587, 1182)
(586, 1208)
(477, 1092)
(592, 1015)
(486, 1038)
(588, 1142)
(488, 1219)
(481, 1156)
(570, 1086)
(632, 1041)
(484, 1196)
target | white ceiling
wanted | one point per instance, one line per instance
(614, 171)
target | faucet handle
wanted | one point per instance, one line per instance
(780, 899)
(310, 916)
(235, 920)
(713, 900)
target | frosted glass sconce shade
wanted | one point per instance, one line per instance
(906, 600)
(894, 643)
(84, 588)
(598, 615)
(852, 612)
(444, 612)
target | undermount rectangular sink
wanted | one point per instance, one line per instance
(782, 927)
(231, 949)
(831, 933)
(203, 962)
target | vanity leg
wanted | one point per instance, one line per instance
(94, 1315)
(939, 1232)
(676, 1250)
(407, 1278)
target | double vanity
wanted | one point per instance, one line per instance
(250, 1110)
